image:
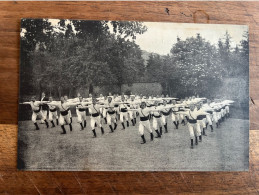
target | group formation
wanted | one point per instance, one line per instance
(154, 113)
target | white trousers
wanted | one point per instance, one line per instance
(96, 120)
(227, 109)
(44, 114)
(132, 114)
(164, 119)
(208, 119)
(124, 115)
(175, 117)
(193, 130)
(34, 116)
(200, 125)
(143, 125)
(53, 115)
(81, 116)
(216, 116)
(104, 112)
(62, 119)
(111, 118)
(69, 113)
(157, 123)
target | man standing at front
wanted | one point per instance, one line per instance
(44, 107)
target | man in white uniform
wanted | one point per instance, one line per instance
(157, 122)
(132, 114)
(36, 111)
(206, 107)
(175, 116)
(69, 111)
(52, 113)
(44, 107)
(111, 114)
(201, 117)
(94, 110)
(192, 123)
(81, 116)
(123, 108)
(166, 112)
(64, 116)
(144, 121)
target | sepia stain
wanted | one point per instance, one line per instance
(167, 11)
(252, 100)
(186, 15)
(200, 11)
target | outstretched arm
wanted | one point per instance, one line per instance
(73, 104)
(133, 109)
(52, 103)
(183, 112)
(25, 103)
(43, 102)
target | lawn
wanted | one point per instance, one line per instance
(226, 149)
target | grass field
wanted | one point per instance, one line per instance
(226, 149)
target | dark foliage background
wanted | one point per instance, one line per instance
(79, 55)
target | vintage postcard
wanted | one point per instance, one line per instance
(133, 96)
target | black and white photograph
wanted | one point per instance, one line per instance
(133, 96)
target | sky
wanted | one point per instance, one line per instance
(160, 36)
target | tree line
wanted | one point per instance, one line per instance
(195, 66)
(76, 55)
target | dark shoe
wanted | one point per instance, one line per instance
(133, 124)
(158, 134)
(196, 140)
(37, 127)
(82, 128)
(143, 139)
(211, 127)
(165, 128)
(64, 130)
(151, 136)
(70, 125)
(57, 121)
(102, 130)
(94, 133)
(115, 126)
(111, 129)
(191, 143)
(127, 123)
(53, 125)
(203, 132)
(161, 131)
(123, 125)
(47, 124)
(85, 124)
(176, 127)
